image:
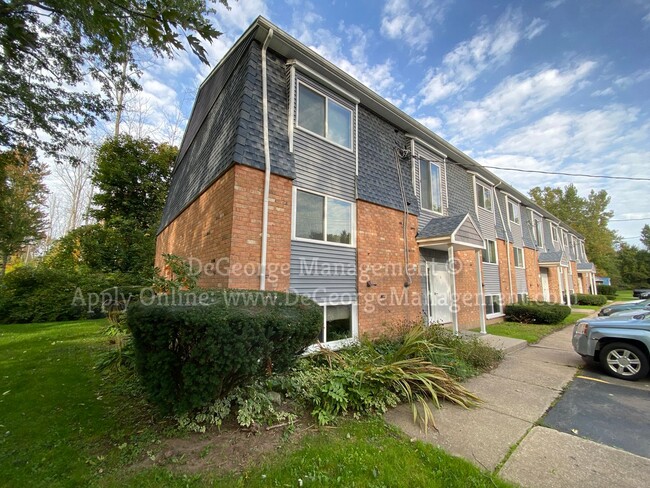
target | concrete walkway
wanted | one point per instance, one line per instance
(516, 394)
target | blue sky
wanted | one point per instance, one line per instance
(556, 85)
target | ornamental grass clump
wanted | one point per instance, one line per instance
(369, 378)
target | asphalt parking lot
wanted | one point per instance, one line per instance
(606, 410)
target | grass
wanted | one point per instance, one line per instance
(64, 424)
(532, 333)
(625, 296)
(357, 453)
(587, 307)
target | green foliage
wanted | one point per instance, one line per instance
(537, 312)
(120, 247)
(178, 275)
(371, 377)
(590, 299)
(22, 194)
(188, 356)
(251, 405)
(634, 266)
(645, 236)
(587, 215)
(132, 176)
(607, 290)
(42, 294)
(48, 47)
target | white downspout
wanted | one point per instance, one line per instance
(505, 230)
(454, 310)
(267, 162)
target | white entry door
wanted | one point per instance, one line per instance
(543, 276)
(438, 293)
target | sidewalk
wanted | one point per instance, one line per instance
(516, 394)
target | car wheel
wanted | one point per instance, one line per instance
(624, 361)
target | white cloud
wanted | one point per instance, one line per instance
(411, 21)
(633, 78)
(605, 92)
(433, 123)
(490, 47)
(515, 98)
(554, 3)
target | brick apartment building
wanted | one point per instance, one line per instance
(294, 176)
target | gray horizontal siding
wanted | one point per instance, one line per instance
(521, 280)
(322, 271)
(491, 281)
(468, 234)
(487, 223)
(517, 238)
(320, 165)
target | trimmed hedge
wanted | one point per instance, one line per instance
(190, 355)
(607, 290)
(537, 312)
(590, 299)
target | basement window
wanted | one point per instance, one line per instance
(324, 117)
(492, 305)
(323, 218)
(430, 186)
(337, 323)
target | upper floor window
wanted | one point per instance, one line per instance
(324, 117)
(430, 186)
(490, 252)
(513, 212)
(484, 197)
(539, 233)
(554, 233)
(323, 218)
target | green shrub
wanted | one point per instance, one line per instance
(41, 294)
(607, 290)
(590, 299)
(537, 312)
(190, 355)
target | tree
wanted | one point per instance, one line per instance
(22, 195)
(589, 216)
(645, 236)
(634, 265)
(132, 179)
(50, 48)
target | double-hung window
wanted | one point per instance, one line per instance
(323, 218)
(484, 197)
(554, 233)
(490, 252)
(324, 117)
(513, 212)
(519, 258)
(430, 186)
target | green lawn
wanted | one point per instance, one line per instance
(63, 424)
(587, 307)
(624, 296)
(532, 333)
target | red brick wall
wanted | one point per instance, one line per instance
(503, 249)
(203, 231)
(533, 281)
(222, 230)
(380, 243)
(554, 285)
(586, 282)
(574, 270)
(467, 298)
(246, 249)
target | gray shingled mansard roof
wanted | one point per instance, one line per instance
(552, 257)
(290, 48)
(586, 267)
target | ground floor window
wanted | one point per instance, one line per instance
(337, 323)
(492, 304)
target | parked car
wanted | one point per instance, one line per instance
(624, 307)
(620, 343)
(645, 294)
(639, 292)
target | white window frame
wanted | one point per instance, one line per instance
(539, 232)
(441, 212)
(327, 99)
(554, 233)
(496, 252)
(341, 342)
(514, 205)
(483, 189)
(353, 218)
(493, 314)
(521, 297)
(523, 257)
